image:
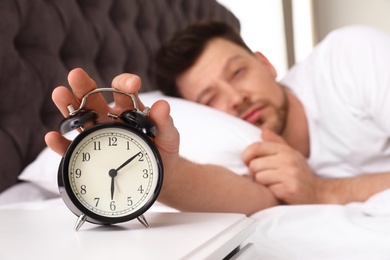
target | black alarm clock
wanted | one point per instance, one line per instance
(112, 172)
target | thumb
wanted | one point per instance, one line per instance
(269, 136)
(167, 137)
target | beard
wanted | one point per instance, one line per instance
(273, 117)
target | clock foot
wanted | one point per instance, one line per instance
(142, 219)
(80, 221)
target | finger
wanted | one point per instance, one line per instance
(81, 84)
(280, 192)
(128, 83)
(263, 163)
(259, 149)
(274, 182)
(57, 142)
(62, 97)
(269, 136)
(267, 177)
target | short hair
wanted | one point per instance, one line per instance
(183, 50)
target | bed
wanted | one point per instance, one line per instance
(43, 39)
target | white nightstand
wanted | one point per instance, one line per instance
(49, 234)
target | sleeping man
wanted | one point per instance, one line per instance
(324, 126)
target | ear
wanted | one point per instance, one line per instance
(267, 63)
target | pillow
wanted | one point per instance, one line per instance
(206, 136)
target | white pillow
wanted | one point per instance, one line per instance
(206, 136)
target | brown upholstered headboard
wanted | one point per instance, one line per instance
(41, 40)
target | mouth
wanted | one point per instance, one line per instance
(253, 114)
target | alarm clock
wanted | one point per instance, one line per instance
(112, 172)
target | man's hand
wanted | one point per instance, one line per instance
(282, 169)
(167, 138)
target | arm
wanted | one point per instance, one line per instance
(210, 188)
(359, 188)
(187, 186)
(286, 173)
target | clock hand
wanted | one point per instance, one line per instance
(127, 162)
(112, 173)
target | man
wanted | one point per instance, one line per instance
(227, 76)
(332, 109)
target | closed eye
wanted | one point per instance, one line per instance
(207, 96)
(237, 73)
(210, 100)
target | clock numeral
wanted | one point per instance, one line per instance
(112, 141)
(129, 201)
(112, 206)
(86, 157)
(97, 201)
(78, 173)
(83, 189)
(140, 189)
(96, 145)
(146, 174)
(128, 145)
(141, 157)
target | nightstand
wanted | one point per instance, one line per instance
(49, 234)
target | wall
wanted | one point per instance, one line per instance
(262, 28)
(332, 14)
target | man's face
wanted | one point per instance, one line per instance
(231, 79)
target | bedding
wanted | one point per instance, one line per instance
(356, 231)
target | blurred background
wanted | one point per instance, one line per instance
(285, 31)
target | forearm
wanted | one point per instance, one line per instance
(210, 188)
(354, 189)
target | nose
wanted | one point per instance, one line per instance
(236, 98)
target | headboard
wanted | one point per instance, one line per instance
(41, 40)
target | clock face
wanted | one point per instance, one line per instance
(113, 172)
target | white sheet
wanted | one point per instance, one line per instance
(354, 231)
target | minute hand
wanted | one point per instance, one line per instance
(127, 162)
